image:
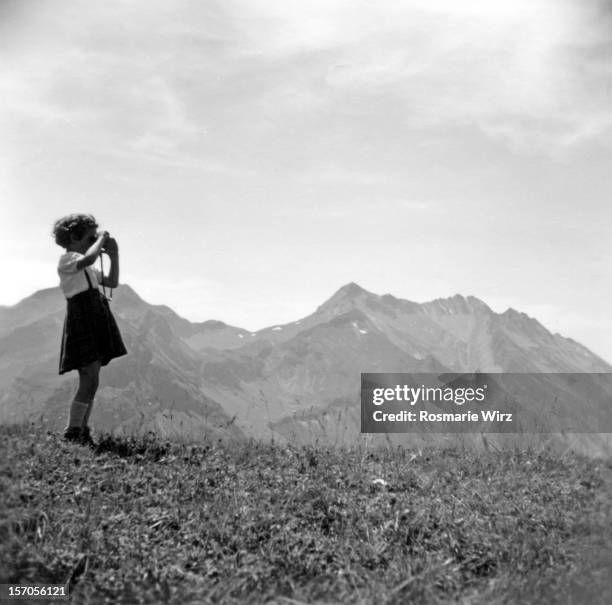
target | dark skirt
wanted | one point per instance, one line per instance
(90, 332)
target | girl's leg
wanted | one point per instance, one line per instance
(83, 400)
(90, 406)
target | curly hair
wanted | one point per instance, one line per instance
(76, 224)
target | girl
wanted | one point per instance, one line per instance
(90, 338)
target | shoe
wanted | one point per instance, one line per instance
(86, 437)
(73, 433)
(80, 435)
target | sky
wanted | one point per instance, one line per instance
(253, 156)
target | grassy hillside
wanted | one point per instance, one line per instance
(152, 522)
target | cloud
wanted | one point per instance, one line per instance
(113, 76)
(535, 74)
(191, 79)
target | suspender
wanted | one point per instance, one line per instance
(92, 288)
(88, 280)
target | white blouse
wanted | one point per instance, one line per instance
(72, 280)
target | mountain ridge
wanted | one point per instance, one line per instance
(222, 379)
(41, 297)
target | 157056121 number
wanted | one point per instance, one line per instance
(33, 591)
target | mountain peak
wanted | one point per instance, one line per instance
(127, 294)
(518, 317)
(476, 302)
(458, 304)
(344, 298)
(40, 297)
(351, 289)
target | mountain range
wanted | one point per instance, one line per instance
(298, 381)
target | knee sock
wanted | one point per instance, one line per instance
(78, 412)
(88, 413)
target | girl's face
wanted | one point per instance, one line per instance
(83, 244)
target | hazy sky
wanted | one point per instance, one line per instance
(253, 156)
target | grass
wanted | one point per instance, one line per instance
(144, 521)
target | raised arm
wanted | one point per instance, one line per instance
(93, 251)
